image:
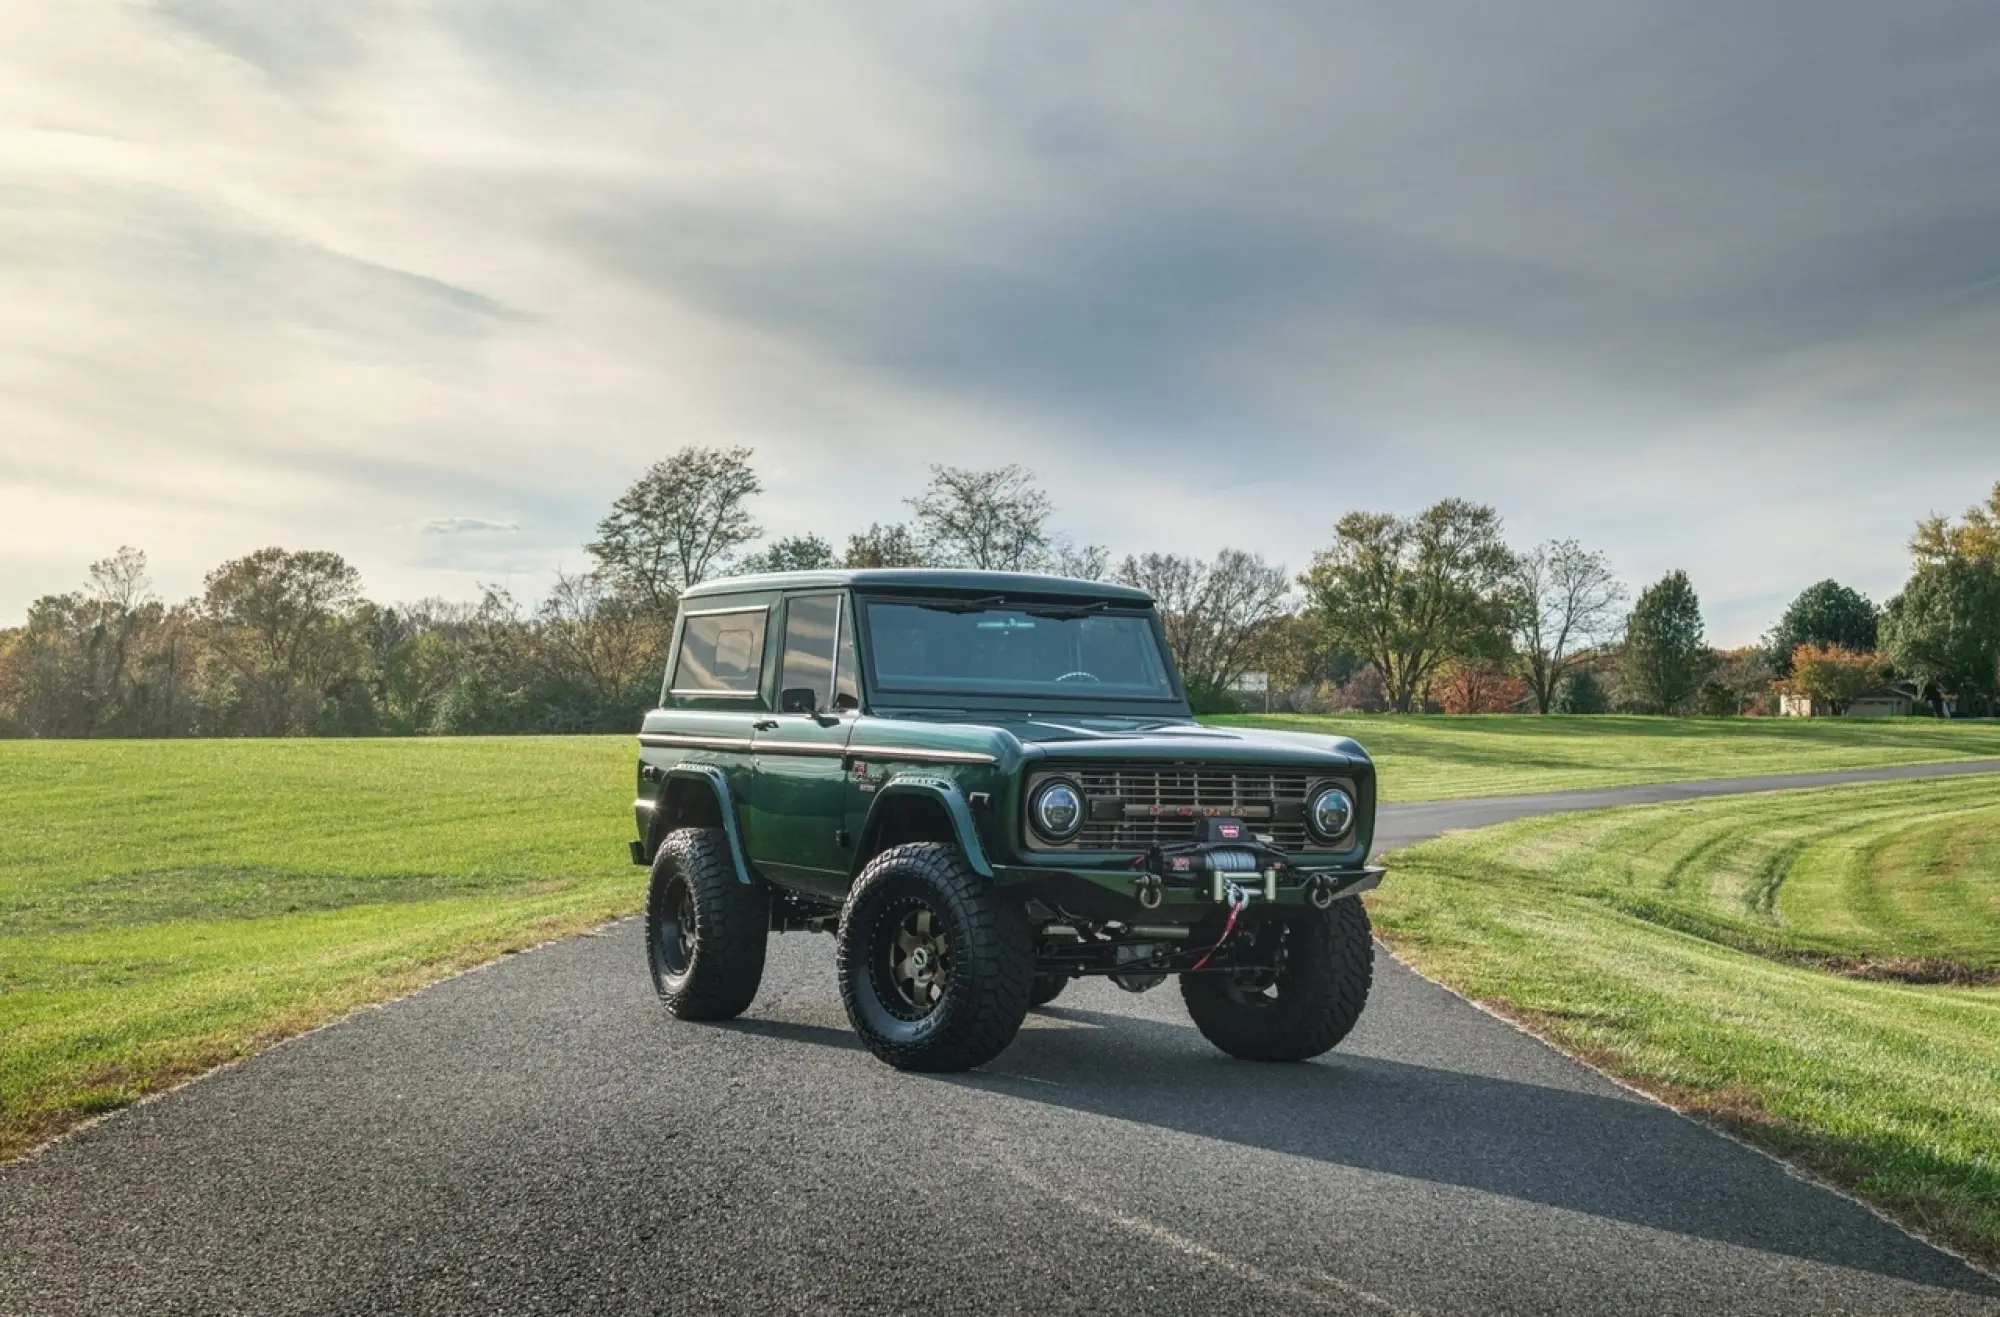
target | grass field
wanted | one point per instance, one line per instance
(1449, 758)
(1818, 972)
(167, 906)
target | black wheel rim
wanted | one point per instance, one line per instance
(911, 956)
(674, 937)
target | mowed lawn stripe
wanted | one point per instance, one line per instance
(1788, 1022)
(1427, 758)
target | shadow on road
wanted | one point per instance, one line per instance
(1610, 1156)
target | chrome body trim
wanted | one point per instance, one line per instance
(693, 741)
(901, 754)
(913, 755)
(804, 749)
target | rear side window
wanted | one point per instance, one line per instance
(819, 651)
(722, 653)
(811, 624)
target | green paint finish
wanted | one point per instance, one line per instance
(827, 765)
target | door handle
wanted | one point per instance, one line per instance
(764, 725)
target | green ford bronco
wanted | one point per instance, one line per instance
(985, 785)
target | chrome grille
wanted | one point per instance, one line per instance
(1159, 803)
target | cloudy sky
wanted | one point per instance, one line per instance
(428, 283)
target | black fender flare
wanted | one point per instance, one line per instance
(725, 805)
(946, 793)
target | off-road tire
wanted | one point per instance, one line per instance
(1329, 966)
(715, 976)
(983, 996)
(1047, 988)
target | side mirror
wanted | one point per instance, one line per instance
(798, 699)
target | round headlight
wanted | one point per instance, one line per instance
(1331, 814)
(1056, 810)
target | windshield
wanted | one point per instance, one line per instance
(969, 647)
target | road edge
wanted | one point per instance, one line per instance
(1791, 1169)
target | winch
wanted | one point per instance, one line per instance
(1222, 850)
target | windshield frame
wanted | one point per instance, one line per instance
(1087, 698)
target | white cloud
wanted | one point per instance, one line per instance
(467, 526)
(1712, 292)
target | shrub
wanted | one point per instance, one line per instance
(1478, 688)
(1362, 693)
(1834, 675)
(1581, 692)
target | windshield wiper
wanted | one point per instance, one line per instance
(965, 605)
(994, 601)
(1067, 610)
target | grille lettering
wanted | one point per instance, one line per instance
(1133, 806)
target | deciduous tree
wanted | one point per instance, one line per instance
(794, 553)
(1827, 614)
(277, 620)
(1833, 675)
(1214, 613)
(1479, 686)
(1410, 593)
(1741, 682)
(994, 519)
(1083, 562)
(596, 651)
(891, 545)
(677, 525)
(1581, 692)
(1944, 629)
(1973, 538)
(1566, 600)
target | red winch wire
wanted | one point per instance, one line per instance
(1238, 899)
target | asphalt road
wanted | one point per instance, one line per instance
(538, 1136)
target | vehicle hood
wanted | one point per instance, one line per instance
(1098, 739)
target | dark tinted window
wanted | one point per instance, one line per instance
(721, 653)
(1054, 652)
(811, 624)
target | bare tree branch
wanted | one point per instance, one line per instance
(1566, 601)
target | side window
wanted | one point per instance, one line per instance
(846, 668)
(722, 653)
(811, 627)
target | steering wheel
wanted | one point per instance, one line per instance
(1080, 675)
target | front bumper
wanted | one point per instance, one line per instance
(1171, 898)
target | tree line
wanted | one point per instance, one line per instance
(1430, 612)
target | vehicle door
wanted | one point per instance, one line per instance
(798, 826)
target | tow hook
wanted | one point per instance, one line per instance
(1319, 891)
(1149, 893)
